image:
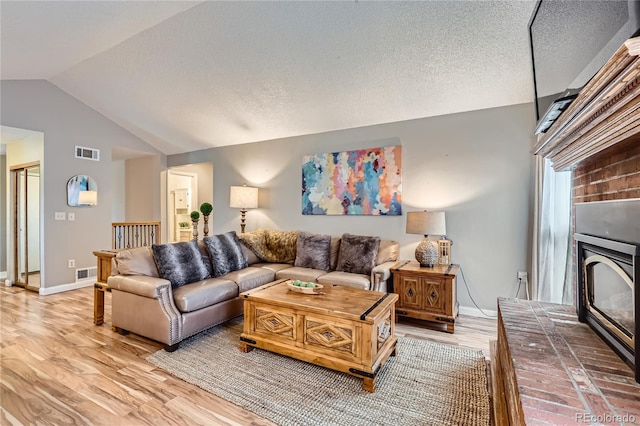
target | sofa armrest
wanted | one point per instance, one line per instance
(140, 285)
(380, 274)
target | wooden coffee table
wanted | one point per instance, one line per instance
(341, 328)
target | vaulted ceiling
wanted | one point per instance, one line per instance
(185, 76)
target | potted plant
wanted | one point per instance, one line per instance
(183, 224)
(206, 210)
(195, 216)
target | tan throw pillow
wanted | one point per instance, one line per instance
(271, 246)
(255, 241)
(137, 261)
(281, 246)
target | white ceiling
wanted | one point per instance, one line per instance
(185, 76)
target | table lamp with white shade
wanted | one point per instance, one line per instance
(426, 223)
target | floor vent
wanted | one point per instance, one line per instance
(86, 273)
(87, 153)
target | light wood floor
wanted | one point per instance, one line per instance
(57, 368)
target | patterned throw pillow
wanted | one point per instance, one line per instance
(181, 263)
(225, 253)
(357, 254)
(313, 251)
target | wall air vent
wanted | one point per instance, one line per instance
(86, 273)
(87, 153)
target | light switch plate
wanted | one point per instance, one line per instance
(59, 216)
(71, 216)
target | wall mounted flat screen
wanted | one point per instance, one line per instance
(571, 40)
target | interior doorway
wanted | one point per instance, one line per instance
(182, 200)
(184, 188)
(25, 205)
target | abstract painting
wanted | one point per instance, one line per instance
(361, 182)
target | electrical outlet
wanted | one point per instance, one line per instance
(522, 276)
(71, 263)
(59, 216)
(71, 216)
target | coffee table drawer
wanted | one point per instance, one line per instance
(333, 338)
(273, 322)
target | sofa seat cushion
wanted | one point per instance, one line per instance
(302, 274)
(200, 294)
(250, 277)
(275, 267)
(346, 279)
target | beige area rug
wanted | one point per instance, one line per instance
(425, 384)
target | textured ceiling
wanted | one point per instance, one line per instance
(185, 76)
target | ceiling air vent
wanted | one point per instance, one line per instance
(87, 153)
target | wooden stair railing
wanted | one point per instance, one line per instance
(134, 234)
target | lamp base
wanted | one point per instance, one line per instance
(427, 253)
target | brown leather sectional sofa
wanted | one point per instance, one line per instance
(145, 304)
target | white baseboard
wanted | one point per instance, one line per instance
(67, 287)
(475, 312)
(3, 275)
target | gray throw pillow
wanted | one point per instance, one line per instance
(357, 254)
(313, 251)
(181, 263)
(226, 253)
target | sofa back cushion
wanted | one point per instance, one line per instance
(136, 261)
(249, 254)
(388, 251)
(313, 251)
(358, 253)
(226, 253)
(181, 263)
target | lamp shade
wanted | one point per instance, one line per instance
(243, 197)
(426, 223)
(88, 198)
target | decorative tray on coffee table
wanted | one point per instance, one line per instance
(304, 287)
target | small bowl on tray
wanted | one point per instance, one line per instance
(304, 287)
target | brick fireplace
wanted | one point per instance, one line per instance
(612, 174)
(548, 367)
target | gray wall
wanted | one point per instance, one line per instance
(3, 214)
(476, 166)
(38, 105)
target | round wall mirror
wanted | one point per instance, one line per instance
(82, 191)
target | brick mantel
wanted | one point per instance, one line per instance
(605, 113)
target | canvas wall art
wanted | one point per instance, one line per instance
(360, 182)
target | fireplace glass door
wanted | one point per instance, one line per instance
(610, 291)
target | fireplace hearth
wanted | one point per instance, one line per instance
(608, 262)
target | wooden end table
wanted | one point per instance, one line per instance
(342, 328)
(100, 287)
(426, 293)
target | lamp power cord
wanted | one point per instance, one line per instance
(464, 280)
